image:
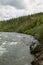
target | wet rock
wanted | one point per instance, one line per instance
(41, 56)
(41, 63)
(37, 55)
(35, 62)
(37, 51)
(34, 48)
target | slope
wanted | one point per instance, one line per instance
(31, 24)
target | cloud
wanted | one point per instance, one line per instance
(16, 3)
(7, 12)
(20, 3)
(16, 8)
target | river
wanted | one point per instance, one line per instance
(14, 48)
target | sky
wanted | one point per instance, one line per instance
(16, 8)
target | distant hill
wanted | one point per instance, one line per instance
(31, 24)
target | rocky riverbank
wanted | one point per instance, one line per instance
(37, 51)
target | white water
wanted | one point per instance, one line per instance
(14, 49)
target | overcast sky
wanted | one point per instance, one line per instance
(16, 8)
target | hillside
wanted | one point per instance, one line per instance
(31, 24)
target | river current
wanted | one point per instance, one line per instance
(14, 48)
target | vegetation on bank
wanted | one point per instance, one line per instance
(31, 24)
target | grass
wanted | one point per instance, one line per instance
(31, 24)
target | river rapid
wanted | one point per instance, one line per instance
(14, 48)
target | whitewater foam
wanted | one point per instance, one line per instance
(13, 43)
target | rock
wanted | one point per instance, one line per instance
(35, 62)
(41, 63)
(37, 55)
(34, 48)
(41, 56)
(37, 51)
